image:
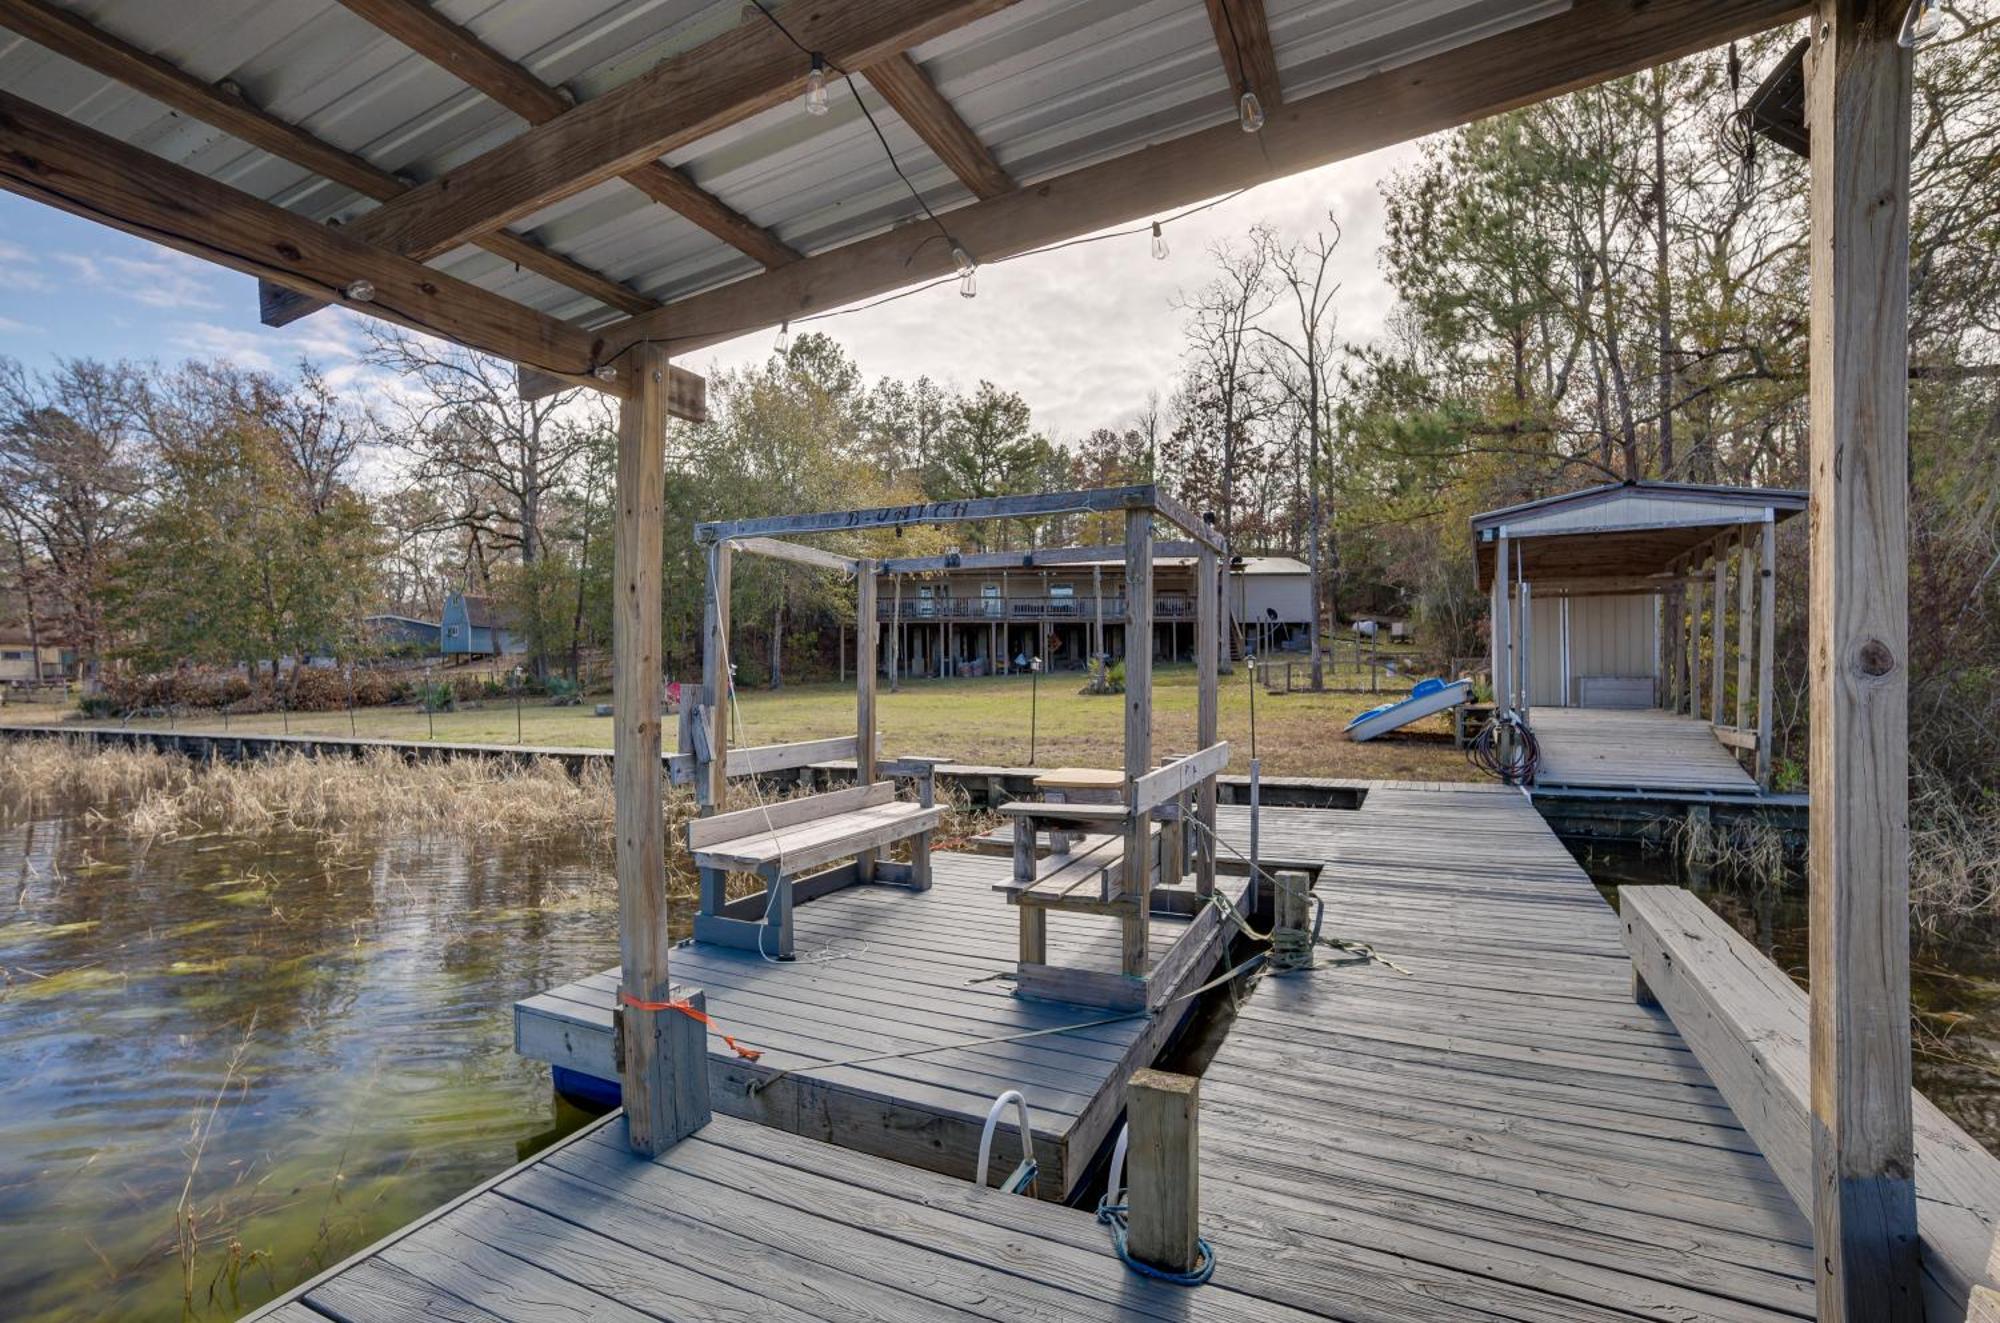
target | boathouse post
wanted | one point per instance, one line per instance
(665, 1056)
(1163, 1181)
(1767, 635)
(1718, 651)
(1208, 640)
(1746, 617)
(1864, 1193)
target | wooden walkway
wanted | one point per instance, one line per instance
(883, 969)
(1633, 750)
(1500, 1133)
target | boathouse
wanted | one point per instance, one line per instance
(1634, 627)
(1504, 1100)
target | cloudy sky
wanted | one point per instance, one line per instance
(1084, 334)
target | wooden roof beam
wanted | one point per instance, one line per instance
(425, 30)
(902, 82)
(71, 37)
(1243, 39)
(680, 100)
(55, 160)
(1593, 41)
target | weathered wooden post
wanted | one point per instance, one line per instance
(1720, 629)
(1208, 645)
(864, 694)
(1864, 1205)
(1767, 644)
(1162, 1162)
(1746, 561)
(1136, 955)
(896, 636)
(712, 780)
(665, 1066)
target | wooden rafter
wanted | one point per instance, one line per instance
(1593, 41)
(1243, 39)
(425, 30)
(73, 38)
(58, 161)
(911, 94)
(686, 97)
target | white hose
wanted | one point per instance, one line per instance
(993, 1120)
(1114, 1189)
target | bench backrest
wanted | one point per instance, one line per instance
(763, 759)
(782, 813)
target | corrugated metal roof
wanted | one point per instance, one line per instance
(1047, 85)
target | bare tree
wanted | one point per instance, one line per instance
(1224, 375)
(1308, 352)
(72, 478)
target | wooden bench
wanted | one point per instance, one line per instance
(784, 840)
(1748, 1025)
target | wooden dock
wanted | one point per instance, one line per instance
(884, 969)
(1500, 1132)
(1648, 750)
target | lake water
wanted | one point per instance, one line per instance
(366, 997)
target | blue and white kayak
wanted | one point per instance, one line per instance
(1428, 697)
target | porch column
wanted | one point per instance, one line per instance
(665, 1076)
(1864, 1204)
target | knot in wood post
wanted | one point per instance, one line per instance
(1163, 1199)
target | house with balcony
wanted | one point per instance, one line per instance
(996, 622)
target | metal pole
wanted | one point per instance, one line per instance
(1250, 669)
(1034, 701)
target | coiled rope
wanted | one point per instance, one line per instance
(1113, 1216)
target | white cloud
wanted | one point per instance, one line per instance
(20, 270)
(8, 326)
(1085, 333)
(166, 279)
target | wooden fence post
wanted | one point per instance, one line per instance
(1136, 955)
(665, 1075)
(1864, 1193)
(1163, 1182)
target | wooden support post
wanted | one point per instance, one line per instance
(1503, 645)
(1138, 727)
(1718, 632)
(665, 1074)
(1767, 644)
(1694, 641)
(1659, 650)
(1864, 1194)
(712, 783)
(1526, 678)
(1162, 1162)
(864, 696)
(1097, 621)
(1746, 563)
(896, 636)
(1208, 704)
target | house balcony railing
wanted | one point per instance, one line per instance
(1004, 609)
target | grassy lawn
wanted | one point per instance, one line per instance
(975, 721)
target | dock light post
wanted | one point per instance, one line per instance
(1034, 703)
(1250, 670)
(519, 676)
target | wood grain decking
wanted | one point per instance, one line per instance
(1500, 1133)
(1633, 750)
(883, 969)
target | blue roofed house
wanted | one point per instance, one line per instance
(471, 627)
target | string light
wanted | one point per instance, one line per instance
(816, 103)
(1922, 23)
(1159, 244)
(968, 272)
(783, 344)
(1249, 110)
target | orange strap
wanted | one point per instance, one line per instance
(688, 1009)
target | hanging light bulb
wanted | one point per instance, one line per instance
(1922, 23)
(968, 272)
(606, 373)
(1159, 244)
(816, 86)
(361, 291)
(1249, 110)
(783, 344)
